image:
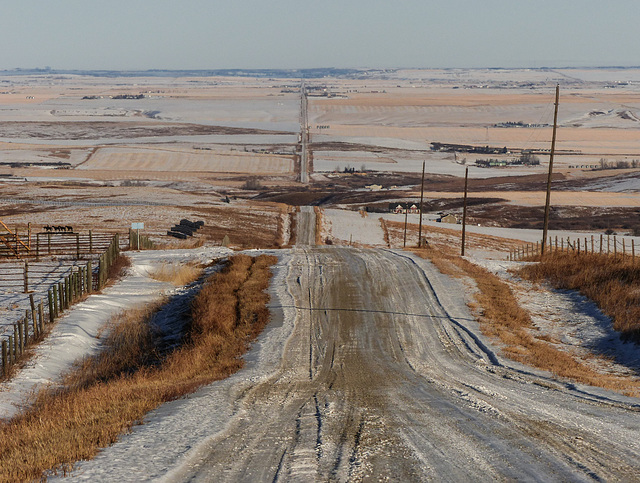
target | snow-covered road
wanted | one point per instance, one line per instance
(373, 367)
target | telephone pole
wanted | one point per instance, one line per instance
(464, 208)
(421, 198)
(553, 149)
(406, 214)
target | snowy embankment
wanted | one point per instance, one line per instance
(76, 334)
(571, 322)
(189, 423)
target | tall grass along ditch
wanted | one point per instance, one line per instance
(501, 318)
(110, 392)
(613, 283)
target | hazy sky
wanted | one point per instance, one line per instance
(211, 34)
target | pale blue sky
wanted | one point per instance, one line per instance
(216, 34)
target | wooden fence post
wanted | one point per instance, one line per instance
(5, 360)
(33, 315)
(623, 249)
(40, 318)
(67, 292)
(50, 300)
(578, 245)
(60, 297)
(89, 277)
(25, 322)
(26, 277)
(20, 338)
(11, 345)
(90, 241)
(54, 293)
(615, 246)
(601, 243)
(37, 247)
(592, 242)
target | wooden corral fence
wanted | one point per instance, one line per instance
(45, 244)
(602, 244)
(81, 279)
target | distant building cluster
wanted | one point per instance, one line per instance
(519, 124)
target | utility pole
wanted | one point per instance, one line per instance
(553, 149)
(406, 214)
(464, 208)
(421, 198)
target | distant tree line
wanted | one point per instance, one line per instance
(619, 164)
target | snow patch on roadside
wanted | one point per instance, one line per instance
(351, 225)
(191, 422)
(76, 333)
(573, 323)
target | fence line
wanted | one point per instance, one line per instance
(612, 245)
(36, 245)
(81, 280)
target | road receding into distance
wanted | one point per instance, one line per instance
(385, 377)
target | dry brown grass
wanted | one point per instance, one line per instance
(502, 319)
(112, 392)
(449, 237)
(177, 244)
(613, 283)
(177, 273)
(119, 268)
(319, 214)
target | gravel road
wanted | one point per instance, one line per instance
(378, 381)
(378, 372)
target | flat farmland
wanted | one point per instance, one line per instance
(154, 159)
(594, 123)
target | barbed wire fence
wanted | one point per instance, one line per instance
(611, 245)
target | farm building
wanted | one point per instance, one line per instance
(402, 208)
(449, 219)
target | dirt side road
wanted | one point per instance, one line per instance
(377, 381)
